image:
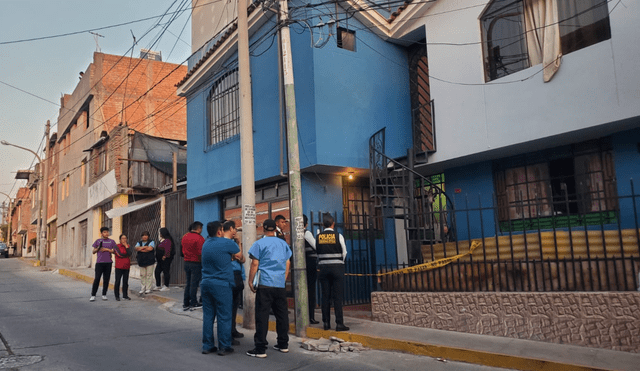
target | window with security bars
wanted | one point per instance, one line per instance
(560, 187)
(223, 109)
(106, 221)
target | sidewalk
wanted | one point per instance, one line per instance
(478, 349)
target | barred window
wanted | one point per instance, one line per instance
(223, 109)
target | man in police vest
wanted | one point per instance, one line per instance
(332, 251)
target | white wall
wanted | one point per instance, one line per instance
(208, 18)
(594, 86)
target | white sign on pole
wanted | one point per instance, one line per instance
(249, 215)
(299, 228)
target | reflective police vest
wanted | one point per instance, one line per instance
(329, 248)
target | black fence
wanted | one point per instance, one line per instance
(527, 245)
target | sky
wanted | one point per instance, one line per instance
(50, 67)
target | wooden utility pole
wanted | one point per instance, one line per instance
(246, 160)
(295, 184)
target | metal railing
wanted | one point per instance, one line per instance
(595, 250)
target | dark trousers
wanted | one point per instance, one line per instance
(216, 303)
(124, 275)
(271, 298)
(237, 299)
(331, 279)
(312, 277)
(102, 270)
(193, 271)
(163, 267)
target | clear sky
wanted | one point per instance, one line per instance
(50, 67)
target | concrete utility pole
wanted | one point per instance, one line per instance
(45, 199)
(246, 159)
(295, 184)
(5, 143)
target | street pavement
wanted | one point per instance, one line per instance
(48, 323)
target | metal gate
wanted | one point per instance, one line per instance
(178, 217)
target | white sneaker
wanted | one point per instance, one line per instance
(104, 297)
(141, 292)
(164, 288)
(148, 292)
(157, 288)
(93, 298)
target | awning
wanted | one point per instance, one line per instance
(132, 207)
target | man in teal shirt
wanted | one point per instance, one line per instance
(270, 257)
(216, 287)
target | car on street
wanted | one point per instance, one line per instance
(4, 250)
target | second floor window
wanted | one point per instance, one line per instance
(518, 34)
(223, 109)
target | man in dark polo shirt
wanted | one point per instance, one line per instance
(332, 251)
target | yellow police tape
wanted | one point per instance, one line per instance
(423, 267)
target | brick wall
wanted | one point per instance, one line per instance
(158, 112)
(609, 320)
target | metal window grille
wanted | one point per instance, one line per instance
(223, 106)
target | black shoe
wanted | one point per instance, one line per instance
(237, 335)
(313, 321)
(341, 327)
(235, 342)
(126, 298)
(225, 352)
(197, 306)
(214, 349)
(327, 326)
(186, 308)
(257, 353)
(117, 298)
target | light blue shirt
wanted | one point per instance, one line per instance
(273, 254)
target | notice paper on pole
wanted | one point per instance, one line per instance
(299, 228)
(249, 214)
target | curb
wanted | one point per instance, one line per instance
(412, 347)
(452, 353)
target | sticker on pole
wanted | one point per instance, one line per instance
(249, 214)
(299, 228)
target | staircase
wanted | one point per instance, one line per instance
(399, 192)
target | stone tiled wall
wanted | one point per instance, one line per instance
(609, 320)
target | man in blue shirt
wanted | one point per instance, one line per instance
(217, 283)
(270, 262)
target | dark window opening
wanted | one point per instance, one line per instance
(346, 39)
(514, 31)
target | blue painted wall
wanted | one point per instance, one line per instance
(342, 98)
(626, 152)
(206, 210)
(475, 183)
(358, 93)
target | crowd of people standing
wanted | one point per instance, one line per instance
(215, 265)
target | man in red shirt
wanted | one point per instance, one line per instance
(192, 250)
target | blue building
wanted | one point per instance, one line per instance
(455, 123)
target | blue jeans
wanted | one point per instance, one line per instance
(193, 271)
(216, 302)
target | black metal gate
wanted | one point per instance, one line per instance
(178, 217)
(360, 237)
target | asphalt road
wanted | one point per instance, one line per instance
(48, 323)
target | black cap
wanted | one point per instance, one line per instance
(269, 225)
